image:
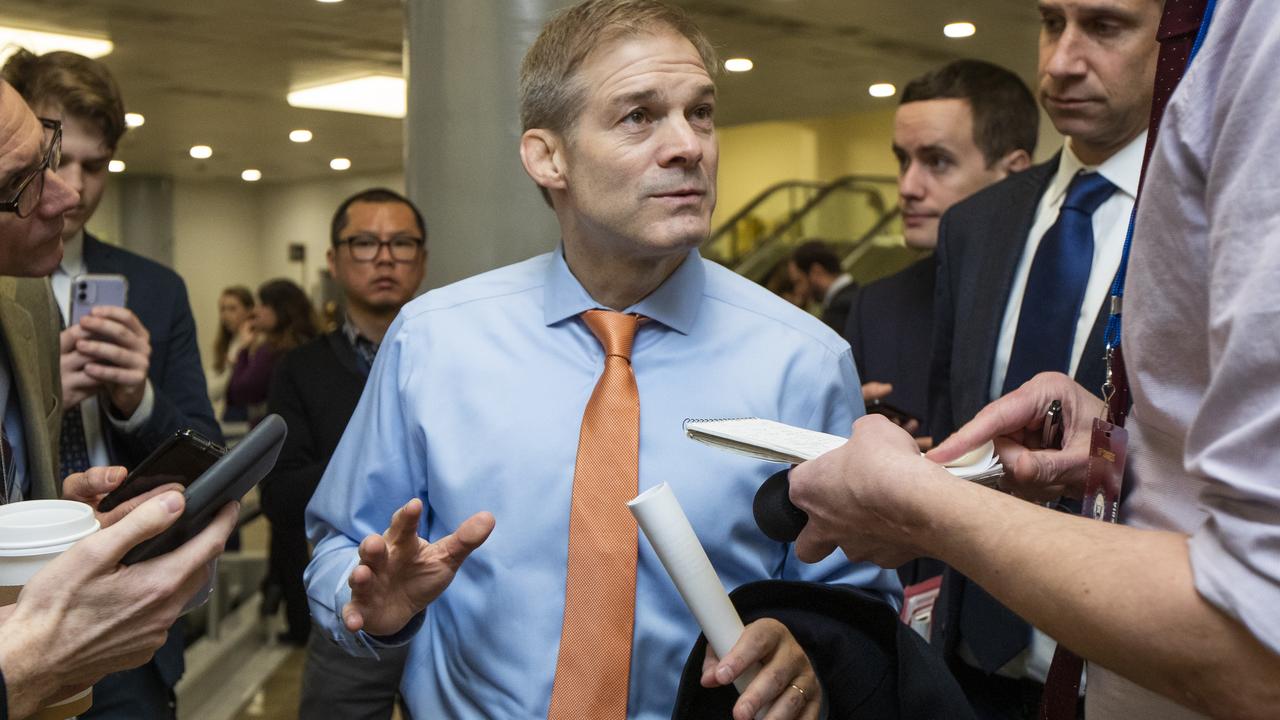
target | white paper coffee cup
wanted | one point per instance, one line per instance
(32, 534)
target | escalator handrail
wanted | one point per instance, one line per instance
(760, 197)
(847, 182)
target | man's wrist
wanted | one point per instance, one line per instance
(26, 684)
(136, 416)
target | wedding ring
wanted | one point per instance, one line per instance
(799, 690)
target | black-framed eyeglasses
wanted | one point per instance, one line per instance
(365, 248)
(27, 198)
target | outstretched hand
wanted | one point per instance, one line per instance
(400, 573)
(1015, 422)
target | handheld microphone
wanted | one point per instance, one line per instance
(779, 519)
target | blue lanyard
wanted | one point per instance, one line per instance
(1111, 339)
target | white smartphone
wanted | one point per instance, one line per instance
(90, 291)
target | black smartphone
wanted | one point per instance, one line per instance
(880, 407)
(181, 459)
(233, 475)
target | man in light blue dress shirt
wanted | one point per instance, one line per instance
(468, 428)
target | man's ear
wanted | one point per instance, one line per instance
(332, 260)
(1013, 162)
(542, 152)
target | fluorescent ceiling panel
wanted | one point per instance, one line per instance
(38, 42)
(381, 95)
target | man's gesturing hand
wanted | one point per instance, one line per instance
(400, 574)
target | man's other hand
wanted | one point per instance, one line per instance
(76, 384)
(786, 684)
(1015, 422)
(90, 486)
(400, 573)
(118, 350)
(879, 391)
(85, 615)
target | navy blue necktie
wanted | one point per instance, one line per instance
(73, 447)
(1055, 287)
(1046, 332)
(73, 444)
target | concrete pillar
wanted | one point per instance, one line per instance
(146, 216)
(462, 165)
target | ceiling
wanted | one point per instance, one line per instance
(215, 72)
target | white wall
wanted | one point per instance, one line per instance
(215, 244)
(301, 213)
(235, 233)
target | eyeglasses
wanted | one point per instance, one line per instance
(27, 198)
(365, 248)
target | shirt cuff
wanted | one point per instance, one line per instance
(141, 414)
(361, 643)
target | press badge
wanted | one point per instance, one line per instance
(1105, 472)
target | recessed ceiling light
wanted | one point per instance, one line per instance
(329, 2)
(882, 90)
(115, 166)
(201, 152)
(300, 136)
(134, 120)
(959, 29)
(12, 38)
(251, 175)
(739, 64)
(340, 164)
(381, 95)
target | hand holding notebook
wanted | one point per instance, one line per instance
(778, 442)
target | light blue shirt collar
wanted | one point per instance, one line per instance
(674, 304)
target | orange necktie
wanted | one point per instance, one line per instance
(594, 666)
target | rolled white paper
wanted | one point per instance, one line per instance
(663, 521)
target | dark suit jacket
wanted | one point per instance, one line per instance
(316, 421)
(29, 321)
(890, 329)
(870, 664)
(980, 242)
(837, 312)
(158, 296)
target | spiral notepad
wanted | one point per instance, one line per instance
(773, 441)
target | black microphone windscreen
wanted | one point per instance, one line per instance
(777, 517)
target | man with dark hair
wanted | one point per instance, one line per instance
(815, 275)
(1024, 270)
(1174, 601)
(84, 614)
(378, 257)
(131, 377)
(552, 392)
(957, 130)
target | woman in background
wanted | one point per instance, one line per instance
(283, 319)
(235, 332)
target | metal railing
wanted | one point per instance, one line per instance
(788, 212)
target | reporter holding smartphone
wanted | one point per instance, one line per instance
(84, 614)
(131, 376)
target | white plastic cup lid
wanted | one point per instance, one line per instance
(37, 526)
